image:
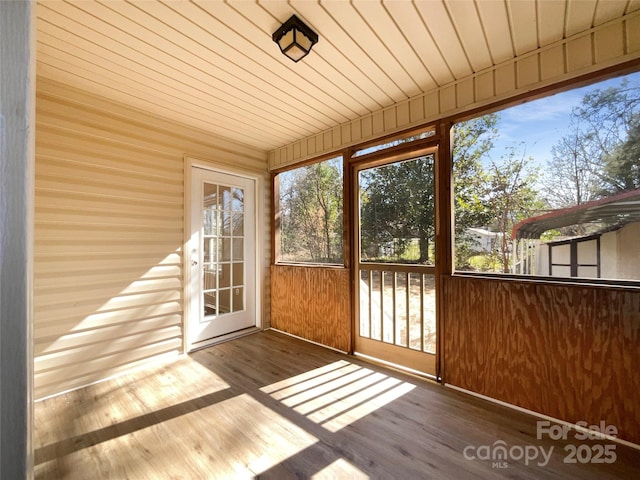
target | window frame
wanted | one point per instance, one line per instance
(443, 138)
(276, 228)
(564, 86)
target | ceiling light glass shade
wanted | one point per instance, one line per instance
(295, 38)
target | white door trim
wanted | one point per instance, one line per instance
(189, 163)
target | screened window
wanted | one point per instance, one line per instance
(311, 213)
(397, 208)
(552, 187)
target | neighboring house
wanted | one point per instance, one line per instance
(483, 240)
(612, 252)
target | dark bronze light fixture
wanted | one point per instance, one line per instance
(295, 38)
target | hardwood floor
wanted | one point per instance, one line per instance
(270, 406)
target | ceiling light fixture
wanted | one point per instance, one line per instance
(295, 38)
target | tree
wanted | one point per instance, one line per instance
(571, 178)
(397, 205)
(311, 212)
(621, 169)
(513, 197)
(600, 155)
(609, 114)
(472, 140)
(397, 201)
(610, 120)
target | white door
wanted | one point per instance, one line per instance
(223, 255)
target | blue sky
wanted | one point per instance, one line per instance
(541, 123)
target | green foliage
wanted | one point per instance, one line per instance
(404, 251)
(311, 213)
(513, 197)
(472, 140)
(489, 194)
(550, 235)
(485, 263)
(622, 165)
(397, 205)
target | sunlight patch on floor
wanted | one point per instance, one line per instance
(299, 383)
(338, 394)
(238, 437)
(186, 380)
(340, 469)
(253, 437)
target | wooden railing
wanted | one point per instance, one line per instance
(397, 305)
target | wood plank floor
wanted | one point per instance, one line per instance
(270, 406)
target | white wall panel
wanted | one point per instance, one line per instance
(109, 209)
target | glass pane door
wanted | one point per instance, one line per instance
(223, 255)
(223, 248)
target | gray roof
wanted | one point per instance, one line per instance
(617, 209)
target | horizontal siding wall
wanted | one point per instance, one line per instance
(109, 233)
(604, 46)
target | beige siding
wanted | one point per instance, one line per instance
(608, 44)
(108, 289)
(628, 250)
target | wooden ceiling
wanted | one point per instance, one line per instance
(213, 65)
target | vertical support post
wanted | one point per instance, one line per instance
(17, 152)
(444, 235)
(276, 220)
(348, 245)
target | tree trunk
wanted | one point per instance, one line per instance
(424, 250)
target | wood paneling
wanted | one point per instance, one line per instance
(313, 303)
(570, 352)
(109, 210)
(536, 66)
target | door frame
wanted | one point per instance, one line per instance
(189, 163)
(439, 147)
